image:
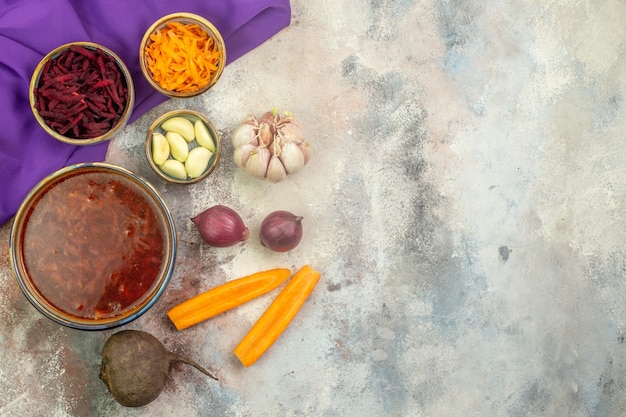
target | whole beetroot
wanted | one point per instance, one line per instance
(135, 367)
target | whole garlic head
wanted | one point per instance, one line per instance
(270, 147)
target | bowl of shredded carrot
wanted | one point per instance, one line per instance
(182, 55)
(81, 93)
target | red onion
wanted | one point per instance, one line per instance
(281, 231)
(221, 226)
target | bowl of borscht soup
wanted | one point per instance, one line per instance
(93, 246)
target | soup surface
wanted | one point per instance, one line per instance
(93, 245)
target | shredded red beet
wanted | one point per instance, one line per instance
(81, 93)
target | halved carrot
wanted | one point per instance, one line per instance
(277, 317)
(226, 296)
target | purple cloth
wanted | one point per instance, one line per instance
(29, 29)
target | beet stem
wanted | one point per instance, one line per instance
(178, 358)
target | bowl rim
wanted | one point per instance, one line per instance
(182, 112)
(25, 284)
(188, 17)
(125, 116)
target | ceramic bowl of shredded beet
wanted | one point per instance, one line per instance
(93, 246)
(182, 55)
(81, 93)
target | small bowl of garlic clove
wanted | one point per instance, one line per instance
(183, 147)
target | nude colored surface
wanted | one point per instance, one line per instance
(465, 204)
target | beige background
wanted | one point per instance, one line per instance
(465, 205)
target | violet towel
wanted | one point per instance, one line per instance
(29, 29)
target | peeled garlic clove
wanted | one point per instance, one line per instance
(180, 125)
(257, 162)
(174, 169)
(178, 146)
(203, 136)
(197, 161)
(160, 148)
(246, 132)
(241, 154)
(275, 170)
(292, 157)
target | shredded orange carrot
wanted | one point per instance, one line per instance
(226, 296)
(278, 315)
(182, 57)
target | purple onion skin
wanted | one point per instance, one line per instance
(281, 231)
(221, 227)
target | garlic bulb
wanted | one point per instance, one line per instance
(270, 147)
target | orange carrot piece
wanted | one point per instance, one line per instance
(278, 315)
(226, 296)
